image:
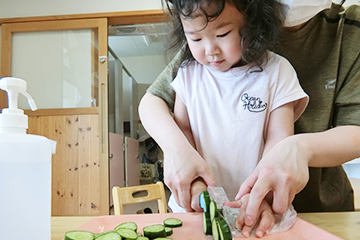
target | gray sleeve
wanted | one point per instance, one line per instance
(161, 86)
(347, 102)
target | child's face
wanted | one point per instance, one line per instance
(218, 44)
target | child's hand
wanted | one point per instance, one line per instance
(197, 187)
(265, 217)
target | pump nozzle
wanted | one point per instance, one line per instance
(30, 101)
(13, 86)
(12, 119)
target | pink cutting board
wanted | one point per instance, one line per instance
(193, 229)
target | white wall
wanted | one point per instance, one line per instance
(350, 2)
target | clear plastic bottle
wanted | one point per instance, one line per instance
(25, 171)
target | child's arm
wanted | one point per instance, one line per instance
(281, 125)
(182, 162)
(181, 118)
(197, 187)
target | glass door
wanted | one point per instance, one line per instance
(64, 63)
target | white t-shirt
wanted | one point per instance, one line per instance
(229, 112)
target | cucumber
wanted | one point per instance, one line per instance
(168, 231)
(79, 235)
(154, 231)
(172, 222)
(224, 230)
(127, 234)
(213, 210)
(142, 238)
(110, 235)
(220, 229)
(207, 223)
(214, 229)
(163, 238)
(128, 225)
(205, 201)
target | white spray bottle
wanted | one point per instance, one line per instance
(25, 171)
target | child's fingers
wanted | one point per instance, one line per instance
(266, 223)
(195, 203)
(246, 231)
(240, 221)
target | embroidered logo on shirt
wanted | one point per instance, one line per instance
(330, 84)
(253, 104)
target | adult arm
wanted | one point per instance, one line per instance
(182, 163)
(284, 169)
(281, 125)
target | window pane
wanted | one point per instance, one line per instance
(60, 67)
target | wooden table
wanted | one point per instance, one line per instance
(343, 224)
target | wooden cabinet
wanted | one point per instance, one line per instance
(77, 187)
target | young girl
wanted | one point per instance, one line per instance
(234, 98)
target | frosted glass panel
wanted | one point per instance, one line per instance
(57, 66)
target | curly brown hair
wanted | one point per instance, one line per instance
(261, 30)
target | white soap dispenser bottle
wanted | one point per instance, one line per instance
(25, 171)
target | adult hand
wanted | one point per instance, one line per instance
(265, 217)
(283, 171)
(181, 168)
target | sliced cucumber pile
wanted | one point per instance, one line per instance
(213, 222)
(127, 231)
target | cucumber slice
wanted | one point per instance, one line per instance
(154, 231)
(127, 233)
(79, 235)
(128, 225)
(142, 238)
(172, 222)
(214, 229)
(205, 201)
(213, 210)
(207, 223)
(163, 238)
(224, 230)
(168, 231)
(110, 235)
